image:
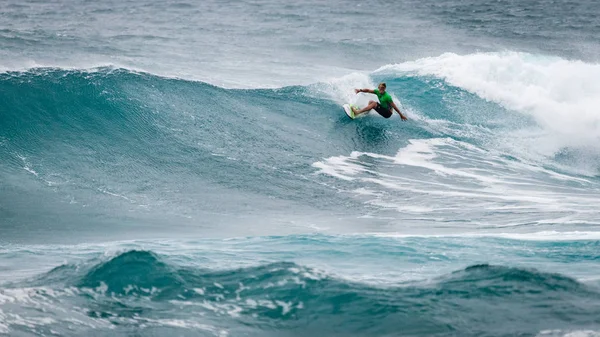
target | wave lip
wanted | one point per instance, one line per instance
(132, 270)
(485, 279)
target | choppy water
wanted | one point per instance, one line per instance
(186, 169)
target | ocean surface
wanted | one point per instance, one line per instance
(186, 169)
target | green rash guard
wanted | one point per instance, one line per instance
(384, 99)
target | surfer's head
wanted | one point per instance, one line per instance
(381, 87)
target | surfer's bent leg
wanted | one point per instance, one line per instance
(371, 105)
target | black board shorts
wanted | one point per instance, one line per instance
(387, 113)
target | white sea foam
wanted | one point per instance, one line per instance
(551, 236)
(563, 96)
(561, 333)
(444, 180)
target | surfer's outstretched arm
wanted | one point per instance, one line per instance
(400, 113)
(364, 90)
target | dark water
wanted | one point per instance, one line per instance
(186, 169)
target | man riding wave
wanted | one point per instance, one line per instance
(385, 105)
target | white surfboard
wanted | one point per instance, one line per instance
(348, 110)
(360, 100)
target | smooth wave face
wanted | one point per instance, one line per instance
(115, 142)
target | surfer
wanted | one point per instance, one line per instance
(385, 105)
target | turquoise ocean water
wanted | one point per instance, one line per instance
(186, 169)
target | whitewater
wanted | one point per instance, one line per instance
(186, 169)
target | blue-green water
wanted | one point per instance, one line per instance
(186, 169)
